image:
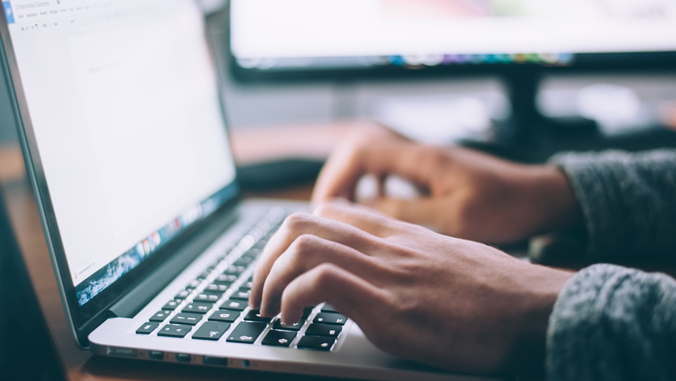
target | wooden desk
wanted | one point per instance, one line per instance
(250, 146)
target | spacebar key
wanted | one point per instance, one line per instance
(246, 332)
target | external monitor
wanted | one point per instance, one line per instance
(517, 40)
(302, 36)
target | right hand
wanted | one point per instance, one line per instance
(442, 301)
(469, 194)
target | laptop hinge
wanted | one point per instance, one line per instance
(139, 296)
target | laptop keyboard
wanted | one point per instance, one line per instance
(214, 306)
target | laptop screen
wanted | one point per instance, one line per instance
(124, 105)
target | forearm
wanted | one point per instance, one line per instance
(613, 323)
(628, 201)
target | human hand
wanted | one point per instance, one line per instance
(434, 299)
(469, 194)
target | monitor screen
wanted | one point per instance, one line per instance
(328, 34)
(124, 105)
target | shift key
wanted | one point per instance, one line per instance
(246, 332)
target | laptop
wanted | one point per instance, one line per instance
(27, 349)
(127, 149)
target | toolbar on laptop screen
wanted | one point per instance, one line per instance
(124, 105)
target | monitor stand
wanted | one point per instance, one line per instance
(529, 136)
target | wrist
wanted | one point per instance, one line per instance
(529, 347)
(554, 200)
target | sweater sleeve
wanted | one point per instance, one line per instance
(628, 201)
(613, 323)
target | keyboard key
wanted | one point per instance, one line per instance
(186, 318)
(279, 338)
(183, 294)
(307, 311)
(234, 270)
(254, 315)
(254, 252)
(243, 295)
(174, 330)
(198, 307)
(318, 329)
(289, 327)
(171, 305)
(210, 298)
(211, 330)
(224, 316)
(216, 288)
(225, 279)
(248, 285)
(330, 318)
(316, 342)
(237, 305)
(247, 332)
(329, 308)
(213, 292)
(147, 328)
(194, 283)
(160, 316)
(243, 261)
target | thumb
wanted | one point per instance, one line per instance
(422, 211)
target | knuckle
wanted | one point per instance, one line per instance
(305, 244)
(356, 148)
(296, 221)
(325, 276)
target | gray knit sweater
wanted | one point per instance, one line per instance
(610, 322)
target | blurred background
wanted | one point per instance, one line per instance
(420, 95)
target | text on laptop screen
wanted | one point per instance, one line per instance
(128, 123)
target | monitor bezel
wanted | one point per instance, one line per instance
(586, 63)
(83, 319)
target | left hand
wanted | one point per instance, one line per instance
(466, 193)
(442, 301)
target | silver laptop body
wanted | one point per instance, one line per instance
(126, 146)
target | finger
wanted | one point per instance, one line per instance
(340, 174)
(306, 253)
(361, 217)
(423, 211)
(348, 164)
(351, 295)
(299, 224)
